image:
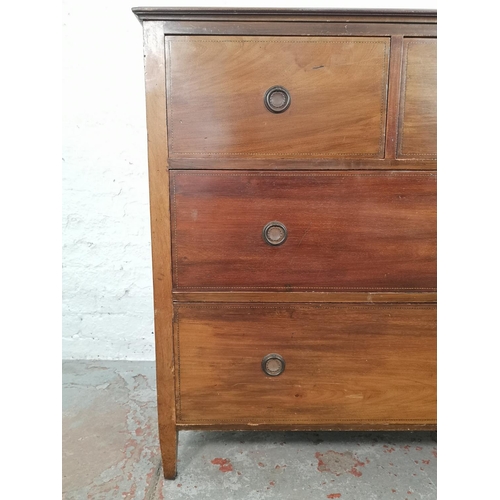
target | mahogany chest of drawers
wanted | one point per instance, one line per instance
(292, 170)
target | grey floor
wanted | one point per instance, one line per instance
(110, 451)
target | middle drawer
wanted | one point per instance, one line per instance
(311, 231)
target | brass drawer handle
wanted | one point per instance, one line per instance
(277, 99)
(274, 233)
(273, 365)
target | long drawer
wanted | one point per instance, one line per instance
(359, 364)
(337, 231)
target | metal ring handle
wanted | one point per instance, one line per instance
(277, 99)
(274, 233)
(273, 365)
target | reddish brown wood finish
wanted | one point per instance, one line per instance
(348, 299)
(270, 28)
(279, 163)
(373, 231)
(216, 88)
(418, 121)
(344, 364)
(393, 97)
(349, 426)
(360, 297)
(154, 67)
(287, 17)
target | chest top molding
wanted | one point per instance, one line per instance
(286, 15)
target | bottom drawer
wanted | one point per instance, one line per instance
(359, 364)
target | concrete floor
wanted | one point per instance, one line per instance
(110, 451)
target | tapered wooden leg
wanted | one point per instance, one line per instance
(168, 444)
(159, 188)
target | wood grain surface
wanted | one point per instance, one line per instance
(290, 16)
(393, 98)
(216, 88)
(372, 231)
(300, 163)
(360, 297)
(418, 121)
(338, 426)
(348, 299)
(280, 28)
(154, 68)
(344, 364)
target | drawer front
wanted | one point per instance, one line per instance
(344, 231)
(342, 363)
(336, 89)
(418, 113)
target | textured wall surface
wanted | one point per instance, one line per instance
(107, 287)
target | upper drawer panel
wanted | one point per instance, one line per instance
(216, 88)
(418, 114)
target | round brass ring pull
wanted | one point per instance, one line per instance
(273, 365)
(274, 233)
(277, 99)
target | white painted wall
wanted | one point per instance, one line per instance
(107, 295)
(107, 283)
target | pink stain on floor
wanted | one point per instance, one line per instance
(334, 495)
(130, 494)
(224, 464)
(339, 463)
(355, 472)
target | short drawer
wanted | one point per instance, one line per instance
(417, 136)
(359, 364)
(223, 100)
(337, 231)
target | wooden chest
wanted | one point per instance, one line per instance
(292, 168)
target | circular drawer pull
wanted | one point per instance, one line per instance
(274, 233)
(277, 99)
(273, 365)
